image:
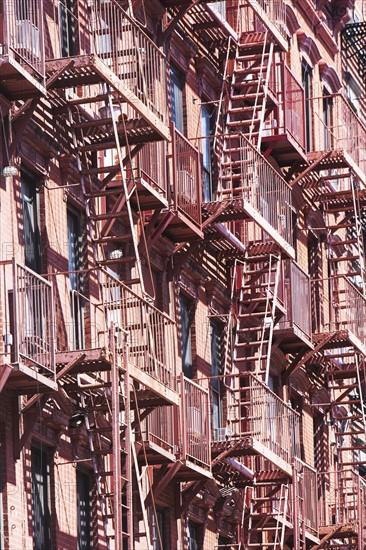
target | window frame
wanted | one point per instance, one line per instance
(43, 535)
(177, 89)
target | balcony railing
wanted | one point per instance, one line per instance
(160, 429)
(337, 126)
(296, 300)
(195, 423)
(290, 93)
(105, 30)
(27, 318)
(121, 44)
(254, 411)
(151, 333)
(152, 166)
(261, 186)
(338, 305)
(186, 177)
(22, 34)
(342, 501)
(305, 496)
(258, 16)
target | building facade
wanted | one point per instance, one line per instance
(182, 275)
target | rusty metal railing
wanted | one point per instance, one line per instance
(159, 428)
(133, 57)
(257, 16)
(292, 105)
(341, 499)
(187, 186)
(253, 179)
(304, 493)
(151, 333)
(152, 166)
(341, 128)
(296, 299)
(254, 411)
(338, 305)
(23, 34)
(27, 317)
(195, 423)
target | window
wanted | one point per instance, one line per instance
(193, 531)
(68, 31)
(74, 244)
(176, 97)
(307, 74)
(185, 306)
(41, 517)
(83, 509)
(32, 248)
(158, 522)
(327, 120)
(216, 355)
(207, 128)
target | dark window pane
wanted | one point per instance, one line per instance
(32, 252)
(176, 96)
(83, 510)
(186, 336)
(41, 524)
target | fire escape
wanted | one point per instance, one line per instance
(333, 181)
(112, 369)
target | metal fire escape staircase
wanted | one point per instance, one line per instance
(249, 100)
(258, 311)
(109, 200)
(346, 381)
(343, 211)
(267, 517)
(112, 474)
(106, 408)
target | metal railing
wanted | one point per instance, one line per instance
(256, 412)
(152, 166)
(260, 185)
(296, 299)
(187, 187)
(305, 496)
(151, 333)
(195, 423)
(291, 105)
(27, 317)
(337, 126)
(81, 323)
(22, 34)
(257, 15)
(159, 428)
(338, 305)
(341, 501)
(104, 29)
(132, 56)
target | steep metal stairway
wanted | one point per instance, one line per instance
(250, 98)
(347, 381)
(105, 404)
(269, 510)
(109, 188)
(258, 311)
(250, 102)
(346, 234)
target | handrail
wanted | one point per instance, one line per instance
(297, 299)
(195, 422)
(260, 184)
(24, 33)
(187, 181)
(31, 321)
(338, 305)
(343, 130)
